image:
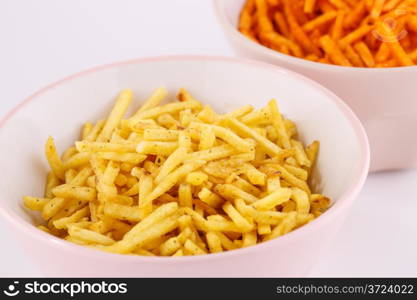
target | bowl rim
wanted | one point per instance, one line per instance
(342, 203)
(300, 62)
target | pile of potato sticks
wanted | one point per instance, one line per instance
(359, 33)
(179, 179)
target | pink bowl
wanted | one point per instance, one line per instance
(225, 83)
(383, 99)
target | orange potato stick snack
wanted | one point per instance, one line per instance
(298, 11)
(246, 19)
(297, 32)
(388, 63)
(325, 6)
(369, 4)
(281, 23)
(365, 54)
(340, 32)
(324, 60)
(315, 36)
(353, 56)
(390, 5)
(355, 35)
(352, 3)
(372, 41)
(334, 52)
(377, 9)
(264, 23)
(413, 55)
(278, 40)
(337, 30)
(285, 49)
(261, 7)
(309, 6)
(313, 24)
(395, 46)
(406, 42)
(339, 4)
(312, 57)
(354, 17)
(383, 53)
(273, 3)
(412, 23)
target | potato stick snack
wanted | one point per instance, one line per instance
(179, 179)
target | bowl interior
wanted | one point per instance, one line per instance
(226, 84)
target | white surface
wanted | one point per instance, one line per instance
(45, 40)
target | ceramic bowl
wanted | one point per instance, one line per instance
(384, 99)
(225, 83)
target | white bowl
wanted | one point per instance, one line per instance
(384, 99)
(61, 108)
